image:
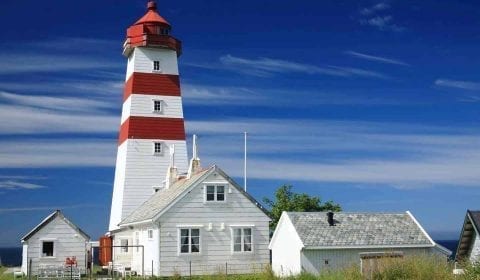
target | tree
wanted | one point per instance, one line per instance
(286, 200)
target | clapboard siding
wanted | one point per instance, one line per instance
(143, 170)
(313, 261)
(143, 58)
(152, 84)
(142, 105)
(152, 128)
(216, 243)
(118, 186)
(67, 243)
(475, 248)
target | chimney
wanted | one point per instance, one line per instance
(331, 221)
(172, 172)
(194, 166)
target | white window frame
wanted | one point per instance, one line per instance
(160, 111)
(124, 250)
(242, 228)
(159, 66)
(148, 234)
(215, 194)
(41, 248)
(155, 153)
(179, 243)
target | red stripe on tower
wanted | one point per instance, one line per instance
(152, 84)
(152, 128)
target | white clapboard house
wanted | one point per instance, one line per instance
(200, 223)
(469, 244)
(318, 241)
(49, 244)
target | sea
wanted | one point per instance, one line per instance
(13, 256)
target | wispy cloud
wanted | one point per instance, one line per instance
(399, 155)
(375, 8)
(376, 58)
(377, 16)
(266, 67)
(70, 104)
(465, 85)
(61, 153)
(16, 185)
(51, 208)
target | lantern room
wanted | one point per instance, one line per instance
(152, 30)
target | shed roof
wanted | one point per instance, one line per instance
(50, 218)
(164, 198)
(359, 230)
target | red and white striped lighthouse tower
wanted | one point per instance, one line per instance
(152, 116)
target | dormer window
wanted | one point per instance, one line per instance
(215, 193)
(157, 106)
(156, 65)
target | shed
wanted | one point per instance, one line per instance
(311, 242)
(51, 242)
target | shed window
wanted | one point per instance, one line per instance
(215, 193)
(189, 240)
(47, 248)
(156, 65)
(242, 239)
(150, 234)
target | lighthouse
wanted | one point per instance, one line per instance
(152, 123)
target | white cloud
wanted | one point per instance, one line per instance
(29, 120)
(60, 153)
(265, 67)
(377, 16)
(399, 155)
(70, 104)
(376, 58)
(14, 63)
(465, 85)
(16, 185)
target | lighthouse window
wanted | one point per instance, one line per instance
(156, 65)
(157, 106)
(157, 148)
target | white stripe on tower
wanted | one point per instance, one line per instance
(152, 115)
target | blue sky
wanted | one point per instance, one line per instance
(372, 104)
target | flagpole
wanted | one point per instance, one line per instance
(245, 164)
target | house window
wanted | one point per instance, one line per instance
(157, 148)
(189, 240)
(156, 65)
(242, 240)
(157, 106)
(47, 248)
(326, 262)
(150, 233)
(215, 193)
(124, 242)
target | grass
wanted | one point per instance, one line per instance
(411, 268)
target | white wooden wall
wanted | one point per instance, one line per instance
(313, 261)
(286, 248)
(141, 105)
(144, 170)
(215, 244)
(142, 58)
(475, 251)
(67, 243)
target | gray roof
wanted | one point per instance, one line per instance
(359, 230)
(50, 218)
(162, 199)
(467, 236)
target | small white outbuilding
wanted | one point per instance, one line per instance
(51, 242)
(318, 241)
